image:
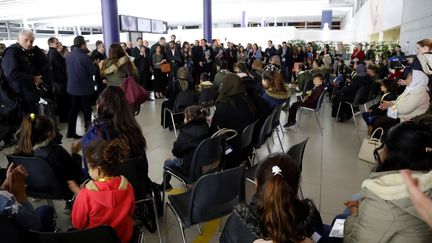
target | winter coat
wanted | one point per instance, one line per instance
(80, 72)
(115, 73)
(245, 225)
(274, 98)
(191, 135)
(386, 213)
(57, 71)
(20, 66)
(110, 203)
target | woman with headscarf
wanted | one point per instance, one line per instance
(414, 101)
(349, 92)
(234, 110)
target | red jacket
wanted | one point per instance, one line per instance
(359, 54)
(106, 203)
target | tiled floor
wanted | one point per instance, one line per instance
(331, 170)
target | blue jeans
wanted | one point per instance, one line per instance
(369, 118)
(174, 163)
(46, 215)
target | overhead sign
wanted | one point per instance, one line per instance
(138, 24)
(128, 23)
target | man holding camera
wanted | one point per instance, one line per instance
(24, 67)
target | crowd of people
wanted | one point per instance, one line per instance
(245, 84)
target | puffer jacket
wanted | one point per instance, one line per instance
(386, 213)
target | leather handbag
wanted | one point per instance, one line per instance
(135, 93)
(165, 67)
(368, 147)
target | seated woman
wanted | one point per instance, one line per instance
(181, 84)
(194, 131)
(384, 212)
(275, 214)
(36, 139)
(414, 101)
(115, 119)
(276, 93)
(234, 110)
(389, 93)
(106, 199)
(349, 91)
(118, 65)
(310, 101)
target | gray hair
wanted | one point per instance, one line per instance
(26, 33)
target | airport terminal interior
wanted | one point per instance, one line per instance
(250, 121)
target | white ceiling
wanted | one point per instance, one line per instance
(88, 12)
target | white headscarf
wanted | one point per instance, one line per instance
(419, 79)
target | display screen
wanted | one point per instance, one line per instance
(144, 25)
(159, 26)
(128, 23)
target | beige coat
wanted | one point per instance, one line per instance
(412, 104)
(386, 213)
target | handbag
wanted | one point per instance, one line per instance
(135, 93)
(165, 67)
(368, 147)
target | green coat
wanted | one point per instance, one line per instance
(115, 73)
(386, 213)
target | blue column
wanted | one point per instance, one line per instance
(110, 23)
(207, 23)
(243, 20)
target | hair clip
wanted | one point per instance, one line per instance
(272, 68)
(428, 149)
(32, 116)
(276, 170)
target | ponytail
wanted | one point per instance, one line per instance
(196, 112)
(24, 144)
(34, 129)
(277, 185)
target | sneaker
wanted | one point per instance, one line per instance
(289, 125)
(73, 136)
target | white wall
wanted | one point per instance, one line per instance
(416, 23)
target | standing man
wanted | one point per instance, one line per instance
(25, 66)
(174, 57)
(81, 86)
(270, 51)
(231, 56)
(161, 42)
(58, 79)
(142, 61)
(287, 61)
(99, 52)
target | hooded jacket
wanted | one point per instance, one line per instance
(115, 71)
(386, 213)
(106, 203)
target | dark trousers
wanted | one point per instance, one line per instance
(79, 103)
(293, 111)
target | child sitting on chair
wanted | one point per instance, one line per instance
(193, 132)
(310, 101)
(106, 199)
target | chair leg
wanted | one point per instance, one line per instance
(319, 124)
(268, 147)
(164, 175)
(166, 221)
(157, 220)
(173, 124)
(280, 141)
(51, 204)
(164, 119)
(199, 229)
(337, 114)
(299, 115)
(352, 110)
(364, 105)
(301, 192)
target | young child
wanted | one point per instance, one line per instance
(311, 101)
(194, 131)
(106, 199)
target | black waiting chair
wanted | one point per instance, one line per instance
(296, 152)
(211, 197)
(361, 98)
(247, 136)
(314, 110)
(183, 99)
(132, 169)
(10, 231)
(264, 133)
(105, 234)
(207, 97)
(208, 158)
(42, 182)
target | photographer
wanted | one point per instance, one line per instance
(24, 68)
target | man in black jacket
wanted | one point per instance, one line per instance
(25, 67)
(58, 79)
(142, 61)
(174, 57)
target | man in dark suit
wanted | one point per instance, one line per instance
(174, 57)
(58, 79)
(142, 61)
(231, 52)
(310, 101)
(287, 61)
